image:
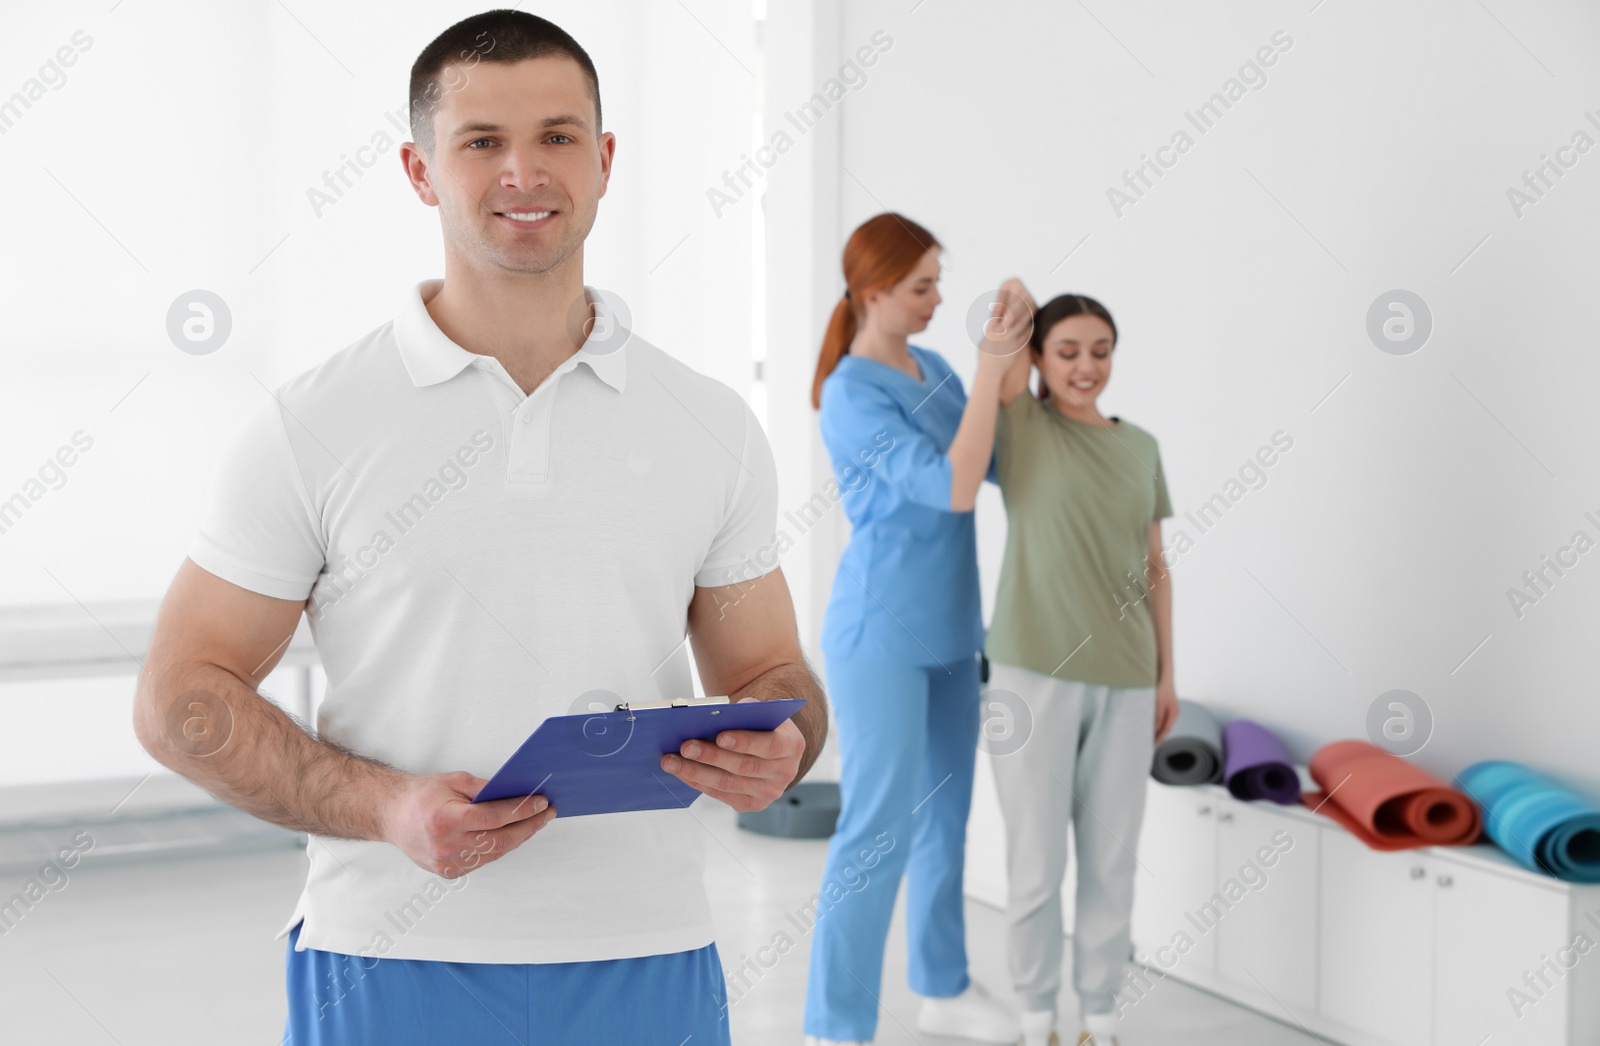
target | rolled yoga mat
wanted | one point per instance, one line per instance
(1544, 826)
(1256, 765)
(1192, 751)
(1388, 803)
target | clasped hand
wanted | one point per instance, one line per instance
(747, 769)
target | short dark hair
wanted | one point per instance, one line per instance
(502, 35)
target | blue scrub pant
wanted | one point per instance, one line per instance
(908, 739)
(656, 1000)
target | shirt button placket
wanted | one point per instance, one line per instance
(518, 462)
(530, 449)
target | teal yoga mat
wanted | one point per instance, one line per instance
(1546, 827)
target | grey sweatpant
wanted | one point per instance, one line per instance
(1082, 765)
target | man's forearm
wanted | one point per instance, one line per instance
(204, 723)
(795, 680)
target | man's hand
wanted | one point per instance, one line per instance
(434, 822)
(747, 769)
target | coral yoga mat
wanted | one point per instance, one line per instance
(1388, 803)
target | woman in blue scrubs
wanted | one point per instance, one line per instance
(901, 636)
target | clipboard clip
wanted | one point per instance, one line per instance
(678, 702)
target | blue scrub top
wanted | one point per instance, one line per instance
(907, 584)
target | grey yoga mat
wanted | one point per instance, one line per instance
(1192, 752)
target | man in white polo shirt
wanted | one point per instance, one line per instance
(499, 506)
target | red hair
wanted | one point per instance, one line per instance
(882, 251)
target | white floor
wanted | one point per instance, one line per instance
(179, 952)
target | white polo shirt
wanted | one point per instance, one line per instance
(477, 560)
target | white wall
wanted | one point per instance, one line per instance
(178, 153)
(1377, 155)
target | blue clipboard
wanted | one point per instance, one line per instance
(610, 762)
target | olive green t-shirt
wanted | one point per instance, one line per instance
(1074, 588)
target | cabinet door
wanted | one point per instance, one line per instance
(1176, 873)
(1491, 930)
(1264, 918)
(1376, 951)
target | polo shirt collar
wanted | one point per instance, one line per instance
(431, 357)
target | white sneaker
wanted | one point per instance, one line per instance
(1097, 1031)
(1039, 1028)
(812, 1040)
(973, 1014)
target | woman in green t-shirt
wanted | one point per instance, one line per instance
(1080, 647)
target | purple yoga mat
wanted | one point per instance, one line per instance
(1256, 765)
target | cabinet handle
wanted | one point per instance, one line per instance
(1418, 872)
(1445, 880)
(1205, 811)
(1224, 817)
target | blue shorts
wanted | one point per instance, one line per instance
(350, 1000)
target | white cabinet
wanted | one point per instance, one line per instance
(1425, 948)
(1175, 876)
(1377, 935)
(1489, 931)
(1234, 883)
(1266, 902)
(1365, 948)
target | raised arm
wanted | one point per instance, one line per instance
(197, 712)
(862, 423)
(1015, 380)
(1005, 342)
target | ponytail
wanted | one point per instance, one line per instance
(835, 343)
(883, 250)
